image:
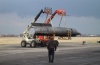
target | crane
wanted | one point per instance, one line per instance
(59, 12)
(44, 39)
(27, 39)
(35, 19)
(40, 40)
(26, 36)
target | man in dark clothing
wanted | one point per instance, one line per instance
(51, 49)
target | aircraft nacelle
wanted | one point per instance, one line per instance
(58, 31)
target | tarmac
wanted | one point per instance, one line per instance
(66, 54)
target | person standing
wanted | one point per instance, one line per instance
(51, 49)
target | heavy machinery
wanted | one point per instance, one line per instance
(27, 39)
(45, 30)
(59, 12)
(44, 38)
(39, 39)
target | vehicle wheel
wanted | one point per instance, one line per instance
(33, 44)
(56, 42)
(23, 43)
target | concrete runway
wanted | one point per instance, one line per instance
(66, 54)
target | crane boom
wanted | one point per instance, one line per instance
(38, 15)
(59, 12)
(35, 19)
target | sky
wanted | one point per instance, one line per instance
(83, 15)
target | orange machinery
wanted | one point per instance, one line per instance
(44, 39)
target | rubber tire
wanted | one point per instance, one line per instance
(23, 43)
(33, 44)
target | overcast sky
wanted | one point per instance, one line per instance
(84, 15)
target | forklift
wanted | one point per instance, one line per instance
(35, 40)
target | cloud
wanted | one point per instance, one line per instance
(30, 7)
(11, 23)
(85, 25)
